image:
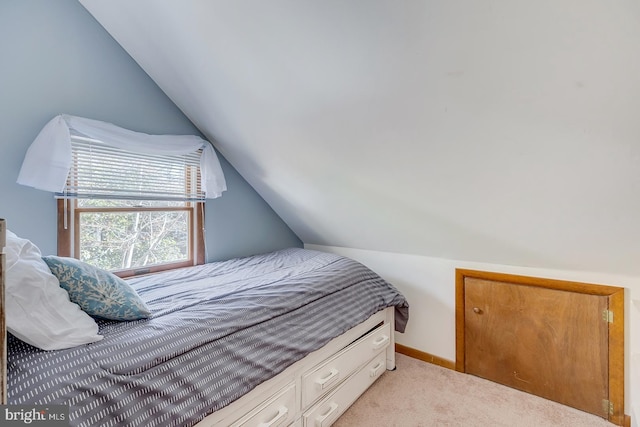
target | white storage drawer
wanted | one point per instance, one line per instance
(330, 408)
(280, 410)
(324, 377)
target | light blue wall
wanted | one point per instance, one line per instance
(57, 59)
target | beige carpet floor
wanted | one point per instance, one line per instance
(420, 394)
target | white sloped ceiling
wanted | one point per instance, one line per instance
(502, 131)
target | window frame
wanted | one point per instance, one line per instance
(69, 220)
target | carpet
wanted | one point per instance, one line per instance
(420, 394)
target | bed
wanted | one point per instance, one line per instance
(291, 337)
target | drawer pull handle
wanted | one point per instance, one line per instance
(374, 371)
(321, 419)
(278, 419)
(380, 342)
(333, 375)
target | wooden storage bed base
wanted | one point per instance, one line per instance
(265, 405)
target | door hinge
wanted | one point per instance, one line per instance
(607, 407)
(607, 316)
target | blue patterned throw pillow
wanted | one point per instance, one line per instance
(98, 292)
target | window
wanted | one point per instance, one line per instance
(131, 237)
(131, 213)
(129, 202)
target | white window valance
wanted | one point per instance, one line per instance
(48, 160)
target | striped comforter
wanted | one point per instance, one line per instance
(217, 331)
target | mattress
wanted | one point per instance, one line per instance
(217, 331)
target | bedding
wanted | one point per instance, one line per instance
(38, 310)
(215, 333)
(98, 292)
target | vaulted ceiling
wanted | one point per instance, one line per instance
(502, 131)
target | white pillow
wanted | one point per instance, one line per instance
(39, 311)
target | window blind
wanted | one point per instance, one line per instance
(100, 171)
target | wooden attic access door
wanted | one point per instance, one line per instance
(563, 341)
